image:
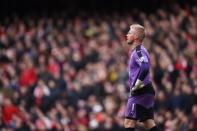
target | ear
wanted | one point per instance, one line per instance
(135, 37)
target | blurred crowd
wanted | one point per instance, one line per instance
(70, 73)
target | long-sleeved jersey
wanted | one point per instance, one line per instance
(139, 66)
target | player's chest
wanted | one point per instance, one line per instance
(132, 63)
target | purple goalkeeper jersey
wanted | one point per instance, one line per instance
(138, 56)
(139, 68)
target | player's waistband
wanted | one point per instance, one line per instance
(148, 88)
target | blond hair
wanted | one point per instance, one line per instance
(140, 31)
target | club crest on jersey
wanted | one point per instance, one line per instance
(141, 59)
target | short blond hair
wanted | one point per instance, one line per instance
(140, 31)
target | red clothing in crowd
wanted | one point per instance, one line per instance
(53, 68)
(28, 77)
(8, 111)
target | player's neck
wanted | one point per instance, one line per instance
(135, 44)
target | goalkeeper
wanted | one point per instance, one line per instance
(141, 97)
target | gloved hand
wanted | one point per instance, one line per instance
(138, 85)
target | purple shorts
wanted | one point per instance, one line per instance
(140, 107)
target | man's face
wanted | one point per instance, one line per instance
(130, 36)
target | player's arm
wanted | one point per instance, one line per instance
(142, 61)
(144, 68)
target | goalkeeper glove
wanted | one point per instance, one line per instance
(138, 85)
